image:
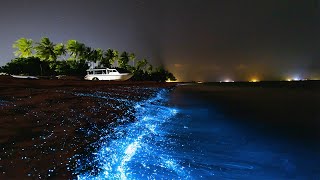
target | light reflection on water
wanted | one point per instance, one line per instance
(140, 150)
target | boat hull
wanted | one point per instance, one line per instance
(108, 77)
(24, 77)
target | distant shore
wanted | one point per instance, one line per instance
(44, 123)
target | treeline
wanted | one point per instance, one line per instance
(45, 58)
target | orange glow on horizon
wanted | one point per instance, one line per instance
(171, 81)
(254, 80)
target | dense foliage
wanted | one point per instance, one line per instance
(45, 58)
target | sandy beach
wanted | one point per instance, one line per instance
(44, 123)
(47, 125)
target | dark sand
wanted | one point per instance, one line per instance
(287, 110)
(44, 124)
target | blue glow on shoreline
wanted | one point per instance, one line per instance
(139, 149)
(4, 103)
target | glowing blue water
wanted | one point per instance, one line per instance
(3, 103)
(193, 141)
(140, 149)
(218, 147)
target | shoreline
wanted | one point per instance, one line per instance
(45, 122)
(49, 124)
(117, 155)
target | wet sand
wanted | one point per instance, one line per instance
(44, 123)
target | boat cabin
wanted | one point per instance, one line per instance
(108, 74)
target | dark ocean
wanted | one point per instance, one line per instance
(223, 146)
(197, 132)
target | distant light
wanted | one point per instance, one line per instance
(199, 82)
(254, 80)
(227, 80)
(296, 77)
(171, 81)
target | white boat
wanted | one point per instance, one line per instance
(115, 74)
(24, 77)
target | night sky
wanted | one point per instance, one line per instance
(207, 40)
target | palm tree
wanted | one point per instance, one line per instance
(60, 50)
(76, 50)
(72, 48)
(79, 54)
(112, 56)
(124, 59)
(45, 50)
(142, 64)
(24, 47)
(93, 56)
(107, 58)
(150, 68)
(83, 53)
(86, 54)
(115, 57)
(99, 55)
(132, 57)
